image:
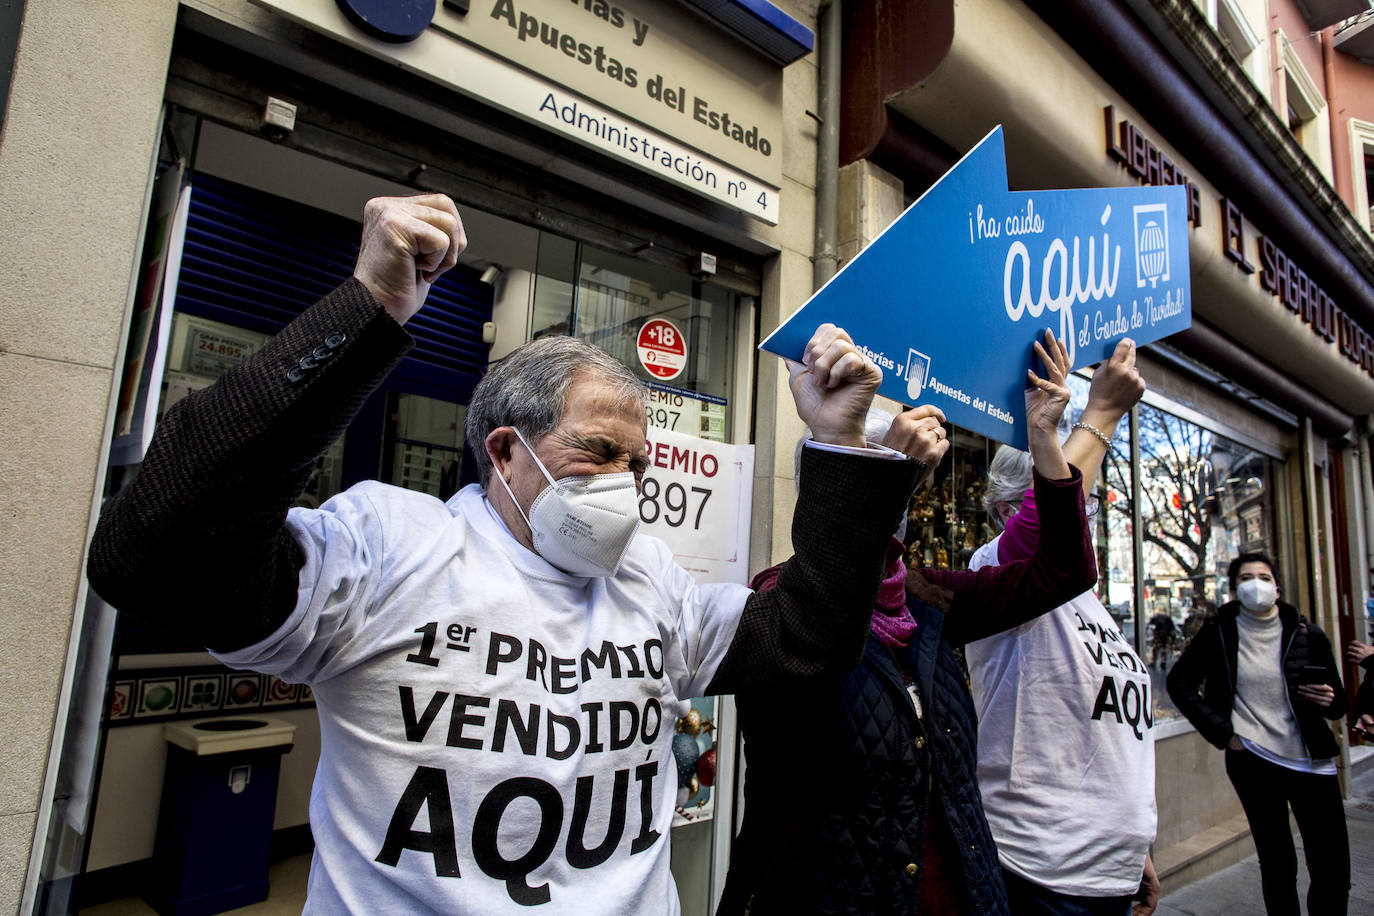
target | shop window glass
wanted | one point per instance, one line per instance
(671, 330)
(946, 521)
(1204, 499)
(426, 444)
(554, 282)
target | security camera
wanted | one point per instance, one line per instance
(703, 265)
(278, 118)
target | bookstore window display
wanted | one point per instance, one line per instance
(946, 521)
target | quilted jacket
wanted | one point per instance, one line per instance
(840, 771)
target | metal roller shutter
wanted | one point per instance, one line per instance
(255, 260)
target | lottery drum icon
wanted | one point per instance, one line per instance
(917, 367)
(1154, 253)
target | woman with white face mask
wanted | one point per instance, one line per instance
(1267, 679)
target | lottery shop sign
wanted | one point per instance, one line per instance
(947, 300)
(661, 348)
(695, 497)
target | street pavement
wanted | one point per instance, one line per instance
(1235, 891)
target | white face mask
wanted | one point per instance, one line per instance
(583, 525)
(1258, 595)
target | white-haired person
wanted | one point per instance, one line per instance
(1065, 753)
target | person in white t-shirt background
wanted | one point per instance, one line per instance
(1065, 751)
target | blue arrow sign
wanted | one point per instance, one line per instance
(948, 299)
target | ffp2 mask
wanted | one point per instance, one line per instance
(582, 524)
(1257, 595)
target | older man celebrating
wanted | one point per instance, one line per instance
(496, 675)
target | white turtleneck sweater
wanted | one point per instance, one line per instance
(1262, 715)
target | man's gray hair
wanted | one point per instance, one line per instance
(1009, 476)
(528, 389)
(876, 424)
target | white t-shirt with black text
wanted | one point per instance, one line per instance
(496, 735)
(1066, 760)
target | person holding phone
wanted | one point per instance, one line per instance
(1257, 681)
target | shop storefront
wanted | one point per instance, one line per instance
(1252, 434)
(642, 175)
(620, 170)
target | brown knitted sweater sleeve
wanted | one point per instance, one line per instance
(197, 542)
(815, 621)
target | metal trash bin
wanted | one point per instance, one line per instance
(219, 799)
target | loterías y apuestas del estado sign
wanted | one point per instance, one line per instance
(650, 84)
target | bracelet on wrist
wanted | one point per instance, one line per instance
(1103, 437)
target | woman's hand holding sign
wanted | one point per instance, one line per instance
(1116, 387)
(1046, 400)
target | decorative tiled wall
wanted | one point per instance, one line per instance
(163, 694)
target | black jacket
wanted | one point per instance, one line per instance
(841, 772)
(1202, 683)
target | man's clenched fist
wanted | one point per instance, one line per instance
(408, 242)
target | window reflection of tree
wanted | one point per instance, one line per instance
(1176, 515)
(1177, 511)
(1203, 499)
